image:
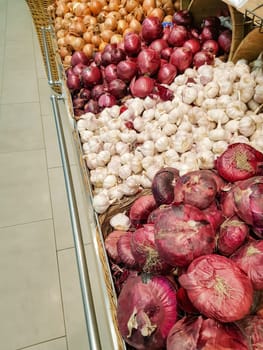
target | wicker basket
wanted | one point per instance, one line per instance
(41, 18)
(250, 47)
(202, 8)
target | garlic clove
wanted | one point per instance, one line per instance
(120, 222)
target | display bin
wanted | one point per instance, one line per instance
(56, 78)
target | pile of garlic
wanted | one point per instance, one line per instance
(213, 106)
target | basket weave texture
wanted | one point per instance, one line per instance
(41, 18)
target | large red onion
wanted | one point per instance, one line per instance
(210, 46)
(117, 88)
(216, 286)
(181, 58)
(110, 72)
(146, 311)
(145, 253)
(151, 29)
(140, 209)
(106, 100)
(211, 21)
(78, 68)
(148, 61)
(214, 215)
(249, 258)
(98, 90)
(73, 82)
(239, 161)
(225, 40)
(132, 44)
(142, 87)
(182, 233)
(166, 53)
(112, 54)
(163, 185)
(205, 334)
(158, 45)
(209, 33)
(92, 106)
(126, 70)
(232, 234)
(193, 44)
(166, 73)
(184, 302)
(178, 36)
(203, 57)
(197, 188)
(124, 251)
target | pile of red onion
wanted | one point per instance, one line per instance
(142, 62)
(190, 263)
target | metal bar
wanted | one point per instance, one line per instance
(51, 82)
(89, 311)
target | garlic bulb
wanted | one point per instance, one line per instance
(170, 157)
(239, 138)
(85, 135)
(211, 89)
(138, 124)
(182, 142)
(147, 148)
(236, 109)
(199, 133)
(122, 147)
(246, 93)
(115, 193)
(217, 115)
(232, 125)
(120, 221)
(204, 144)
(149, 102)
(151, 171)
(223, 101)
(103, 157)
(169, 129)
(209, 103)
(136, 165)
(145, 181)
(136, 105)
(218, 133)
(205, 73)
(114, 165)
(98, 175)
(101, 202)
(206, 159)
(189, 94)
(147, 161)
(124, 171)
(126, 158)
(162, 144)
(258, 96)
(247, 126)
(109, 147)
(225, 86)
(91, 160)
(219, 147)
(128, 136)
(109, 181)
(148, 115)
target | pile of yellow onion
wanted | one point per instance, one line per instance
(89, 25)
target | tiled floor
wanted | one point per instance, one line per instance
(40, 299)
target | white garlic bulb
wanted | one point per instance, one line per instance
(120, 222)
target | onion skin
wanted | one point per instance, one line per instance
(166, 73)
(111, 244)
(216, 285)
(146, 311)
(151, 29)
(163, 185)
(182, 233)
(239, 161)
(142, 87)
(252, 326)
(232, 234)
(249, 259)
(148, 61)
(124, 251)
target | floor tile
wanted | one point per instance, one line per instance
(19, 86)
(40, 65)
(3, 9)
(24, 191)
(20, 28)
(72, 301)
(2, 51)
(57, 344)
(19, 55)
(61, 216)
(44, 95)
(20, 127)
(30, 303)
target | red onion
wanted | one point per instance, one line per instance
(225, 39)
(78, 112)
(78, 68)
(110, 72)
(78, 102)
(111, 244)
(106, 100)
(141, 209)
(182, 234)
(158, 45)
(154, 215)
(92, 107)
(97, 58)
(196, 188)
(166, 74)
(163, 185)
(232, 234)
(193, 44)
(97, 91)
(164, 93)
(249, 259)
(132, 44)
(166, 32)
(73, 82)
(119, 275)
(227, 202)
(203, 57)
(166, 53)
(211, 46)
(117, 88)
(182, 17)
(91, 76)
(177, 36)
(151, 29)
(112, 54)
(194, 33)
(181, 58)
(84, 93)
(145, 253)
(216, 285)
(205, 334)
(142, 87)
(148, 61)
(239, 161)
(209, 33)
(211, 21)
(124, 251)
(146, 311)
(252, 326)
(126, 70)
(79, 57)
